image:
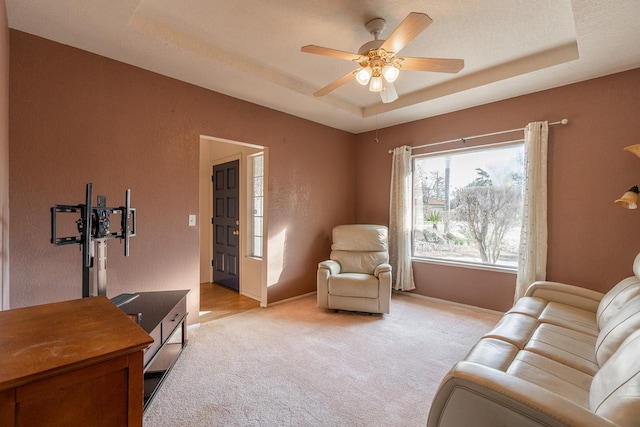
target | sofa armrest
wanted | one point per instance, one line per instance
(474, 394)
(572, 295)
(332, 266)
(382, 268)
(325, 270)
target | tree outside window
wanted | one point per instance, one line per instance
(467, 205)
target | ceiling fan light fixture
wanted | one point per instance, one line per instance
(363, 76)
(376, 84)
(379, 65)
(390, 73)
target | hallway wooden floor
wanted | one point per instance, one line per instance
(217, 302)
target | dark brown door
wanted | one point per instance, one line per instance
(226, 220)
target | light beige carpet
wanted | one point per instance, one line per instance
(294, 364)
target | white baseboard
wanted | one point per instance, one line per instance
(453, 303)
(292, 299)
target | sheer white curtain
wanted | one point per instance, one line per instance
(400, 220)
(532, 264)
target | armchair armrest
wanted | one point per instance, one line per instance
(474, 394)
(332, 266)
(575, 296)
(382, 268)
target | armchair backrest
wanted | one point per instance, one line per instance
(360, 248)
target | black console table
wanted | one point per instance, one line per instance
(162, 315)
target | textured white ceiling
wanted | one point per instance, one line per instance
(250, 49)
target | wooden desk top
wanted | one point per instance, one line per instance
(49, 339)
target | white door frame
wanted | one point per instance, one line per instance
(244, 261)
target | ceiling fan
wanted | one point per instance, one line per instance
(379, 65)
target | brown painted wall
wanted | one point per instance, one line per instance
(4, 157)
(592, 242)
(76, 117)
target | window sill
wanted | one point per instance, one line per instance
(470, 265)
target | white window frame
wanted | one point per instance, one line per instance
(255, 231)
(451, 262)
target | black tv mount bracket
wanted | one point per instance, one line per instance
(94, 226)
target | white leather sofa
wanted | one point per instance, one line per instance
(561, 356)
(357, 277)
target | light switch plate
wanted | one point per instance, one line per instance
(192, 220)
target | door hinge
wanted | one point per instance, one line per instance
(213, 178)
(213, 263)
(212, 220)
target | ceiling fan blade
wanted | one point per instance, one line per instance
(408, 29)
(325, 51)
(336, 84)
(388, 94)
(437, 65)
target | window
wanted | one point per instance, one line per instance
(256, 164)
(467, 205)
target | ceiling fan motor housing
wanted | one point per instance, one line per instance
(368, 46)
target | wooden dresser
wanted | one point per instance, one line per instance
(72, 363)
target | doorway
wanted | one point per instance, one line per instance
(250, 270)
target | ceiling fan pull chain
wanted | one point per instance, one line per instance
(376, 138)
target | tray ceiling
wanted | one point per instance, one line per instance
(250, 49)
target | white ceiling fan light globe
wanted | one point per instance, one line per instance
(363, 76)
(390, 73)
(376, 84)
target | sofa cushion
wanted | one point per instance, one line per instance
(492, 352)
(618, 328)
(615, 389)
(617, 297)
(572, 348)
(514, 328)
(553, 376)
(570, 317)
(354, 285)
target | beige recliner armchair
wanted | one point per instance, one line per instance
(358, 275)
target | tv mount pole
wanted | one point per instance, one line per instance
(94, 227)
